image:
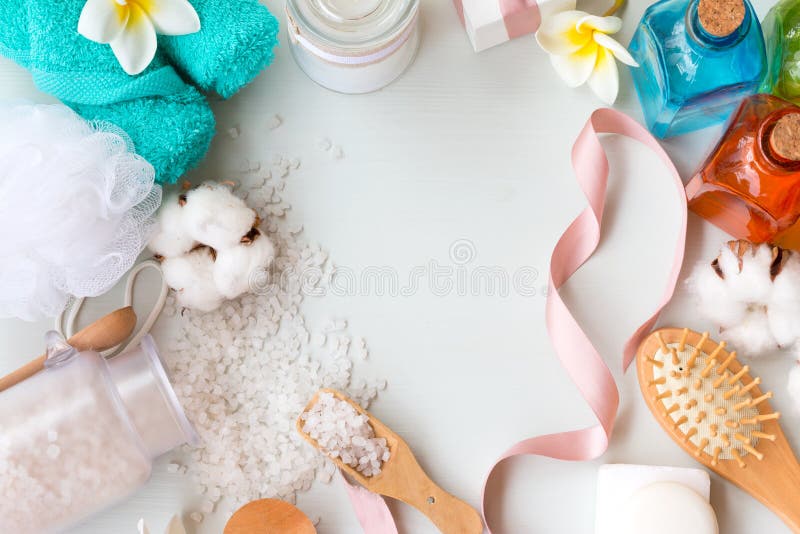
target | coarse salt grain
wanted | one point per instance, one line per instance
(342, 432)
(274, 122)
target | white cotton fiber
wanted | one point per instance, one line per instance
(170, 238)
(715, 301)
(210, 246)
(216, 217)
(752, 336)
(236, 266)
(191, 277)
(756, 313)
(784, 307)
(751, 282)
(76, 206)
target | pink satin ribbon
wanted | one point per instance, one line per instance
(583, 363)
(521, 17)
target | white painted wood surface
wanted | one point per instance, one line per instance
(464, 148)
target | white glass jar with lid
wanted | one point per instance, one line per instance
(353, 46)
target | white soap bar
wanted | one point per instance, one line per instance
(667, 508)
(616, 484)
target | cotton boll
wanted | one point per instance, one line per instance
(752, 337)
(191, 277)
(715, 300)
(751, 282)
(794, 385)
(235, 266)
(170, 238)
(214, 216)
(784, 306)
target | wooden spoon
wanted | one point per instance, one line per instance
(269, 516)
(103, 334)
(402, 478)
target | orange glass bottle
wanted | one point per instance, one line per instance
(750, 184)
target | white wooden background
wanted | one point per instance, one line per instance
(464, 147)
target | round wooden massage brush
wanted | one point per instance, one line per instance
(715, 410)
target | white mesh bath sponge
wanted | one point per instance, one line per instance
(76, 206)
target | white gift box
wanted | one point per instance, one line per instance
(492, 22)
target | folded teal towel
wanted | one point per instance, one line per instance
(168, 120)
(234, 44)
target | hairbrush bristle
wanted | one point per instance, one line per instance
(706, 385)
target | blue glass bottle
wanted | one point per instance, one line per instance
(690, 78)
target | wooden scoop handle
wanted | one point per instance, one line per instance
(103, 334)
(449, 514)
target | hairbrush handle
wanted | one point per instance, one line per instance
(103, 334)
(781, 491)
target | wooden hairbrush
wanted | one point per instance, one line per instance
(710, 405)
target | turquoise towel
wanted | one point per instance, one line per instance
(234, 44)
(168, 120)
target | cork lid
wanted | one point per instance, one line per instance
(721, 18)
(784, 140)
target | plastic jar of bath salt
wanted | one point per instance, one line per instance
(82, 434)
(353, 46)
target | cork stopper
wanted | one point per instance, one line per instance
(720, 18)
(784, 140)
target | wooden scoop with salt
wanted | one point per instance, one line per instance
(402, 478)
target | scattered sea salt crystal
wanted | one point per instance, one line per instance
(324, 143)
(244, 372)
(274, 122)
(52, 436)
(337, 153)
(233, 132)
(173, 468)
(342, 432)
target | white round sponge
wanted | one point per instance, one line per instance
(667, 508)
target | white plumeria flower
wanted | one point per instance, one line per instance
(581, 50)
(130, 27)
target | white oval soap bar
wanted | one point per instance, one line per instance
(667, 508)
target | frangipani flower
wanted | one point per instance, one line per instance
(581, 50)
(130, 27)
